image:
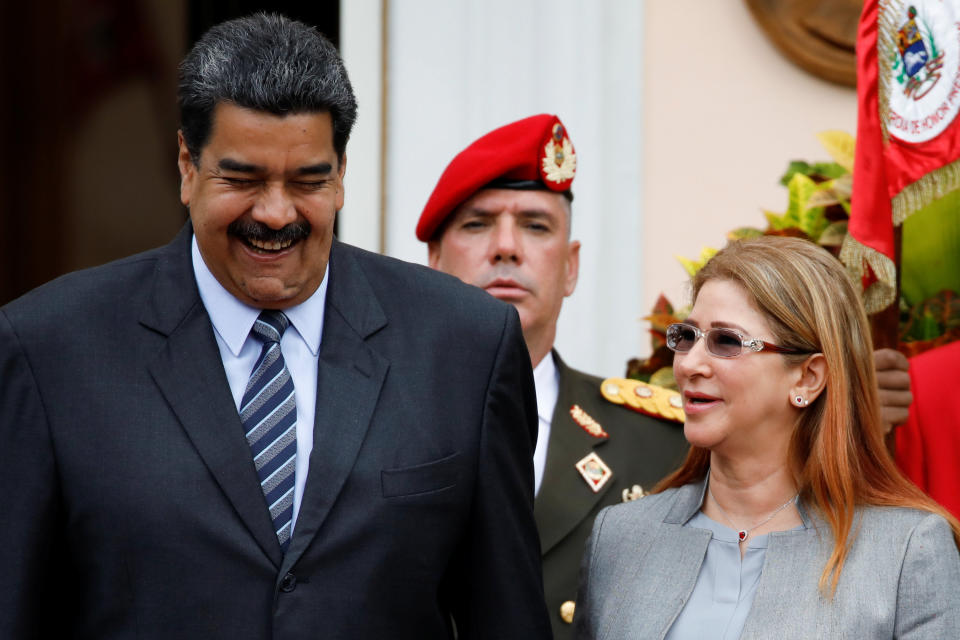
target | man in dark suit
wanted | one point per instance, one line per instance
(256, 431)
(499, 218)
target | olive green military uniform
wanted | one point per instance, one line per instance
(638, 449)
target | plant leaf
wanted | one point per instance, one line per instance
(692, 266)
(834, 234)
(743, 233)
(776, 221)
(840, 145)
(795, 166)
(662, 306)
(800, 189)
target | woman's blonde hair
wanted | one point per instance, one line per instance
(837, 454)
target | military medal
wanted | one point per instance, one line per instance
(633, 493)
(589, 425)
(595, 471)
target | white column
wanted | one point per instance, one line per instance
(459, 69)
(361, 45)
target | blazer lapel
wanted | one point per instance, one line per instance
(565, 499)
(671, 558)
(673, 564)
(792, 558)
(349, 377)
(190, 375)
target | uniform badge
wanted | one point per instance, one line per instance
(595, 471)
(589, 425)
(649, 399)
(566, 611)
(633, 493)
(559, 162)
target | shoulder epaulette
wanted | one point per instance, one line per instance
(652, 400)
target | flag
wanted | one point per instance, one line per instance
(908, 135)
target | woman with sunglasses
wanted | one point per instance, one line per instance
(788, 518)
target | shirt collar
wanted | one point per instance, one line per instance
(232, 319)
(546, 380)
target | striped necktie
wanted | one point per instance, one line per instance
(269, 416)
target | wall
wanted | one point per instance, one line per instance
(683, 117)
(457, 70)
(724, 113)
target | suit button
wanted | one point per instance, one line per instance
(288, 583)
(566, 611)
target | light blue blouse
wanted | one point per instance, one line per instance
(726, 585)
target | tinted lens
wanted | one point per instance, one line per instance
(725, 343)
(680, 337)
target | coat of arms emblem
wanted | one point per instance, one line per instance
(920, 41)
(921, 66)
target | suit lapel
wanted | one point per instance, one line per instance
(565, 499)
(349, 377)
(190, 375)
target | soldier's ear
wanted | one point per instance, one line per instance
(433, 253)
(573, 267)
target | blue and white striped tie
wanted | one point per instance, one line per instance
(268, 412)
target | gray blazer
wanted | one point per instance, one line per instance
(901, 578)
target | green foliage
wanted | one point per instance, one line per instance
(744, 233)
(826, 170)
(692, 266)
(799, 215)
(931, 318)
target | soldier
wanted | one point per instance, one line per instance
(499, 218)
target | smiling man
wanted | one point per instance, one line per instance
(239, 435)
(499, 218)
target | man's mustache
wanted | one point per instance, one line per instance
(253, 230)
(509, 272)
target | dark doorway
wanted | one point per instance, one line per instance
(324, 15)
(88, 126)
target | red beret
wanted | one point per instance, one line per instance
(535, 149)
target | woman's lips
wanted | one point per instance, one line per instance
(696, 402)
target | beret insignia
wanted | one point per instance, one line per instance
(559, 162)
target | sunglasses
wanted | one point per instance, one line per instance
(721, 342)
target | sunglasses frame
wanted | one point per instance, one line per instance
(755, 345)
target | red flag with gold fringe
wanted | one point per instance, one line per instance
(908, 135)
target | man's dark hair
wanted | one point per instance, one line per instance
(265, 62)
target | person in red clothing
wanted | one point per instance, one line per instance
(928, 444)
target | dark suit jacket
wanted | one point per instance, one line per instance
(639, 449)
(129, 499)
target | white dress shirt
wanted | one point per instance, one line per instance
(300, 345)
(546, 379)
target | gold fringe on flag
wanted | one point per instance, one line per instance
(887, 28)
(880, 294)
(930, 187)
(911, 199)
